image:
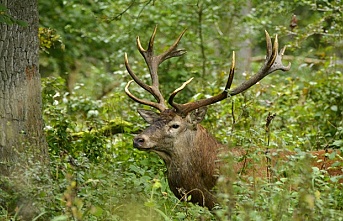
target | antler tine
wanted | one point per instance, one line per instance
(152, 63)
(173, 51)
(158, 106)
(151, 43)
(272, 63)
(183, 109)
(232, 72)
(134, 77)
(268, 44)
(177, 106)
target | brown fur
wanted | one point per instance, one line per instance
(194, 172)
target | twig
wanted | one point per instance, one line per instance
(269, 119)
(201, 37)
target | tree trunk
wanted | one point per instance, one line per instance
(21, 123)
(245, 51)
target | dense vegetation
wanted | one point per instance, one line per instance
(95, 174)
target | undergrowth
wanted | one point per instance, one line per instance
(94, 176)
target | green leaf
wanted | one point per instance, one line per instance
(338, 143)
(97, 211)
(334, 108)
(22, 23)
(165, 217)
(2, 8)
(60, 218)
(6, 19)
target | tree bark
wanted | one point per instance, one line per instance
(245, 51)
(21, 123)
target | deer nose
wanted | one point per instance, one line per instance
(138, 142)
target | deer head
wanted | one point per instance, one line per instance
(188, 150)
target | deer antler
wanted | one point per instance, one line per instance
(272, 63)
(153, 62)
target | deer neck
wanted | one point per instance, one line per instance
(194, 167)
(197, 157)
(192, 146)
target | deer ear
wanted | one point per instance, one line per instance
(197, 115)
(148, 115)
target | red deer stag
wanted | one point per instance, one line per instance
(188, 150)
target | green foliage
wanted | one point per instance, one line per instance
(48, 38)
(96, 177)
(96, 174)
(7, 19)
(77, 125)
(304, 194)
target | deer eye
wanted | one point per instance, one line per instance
(175, 126)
